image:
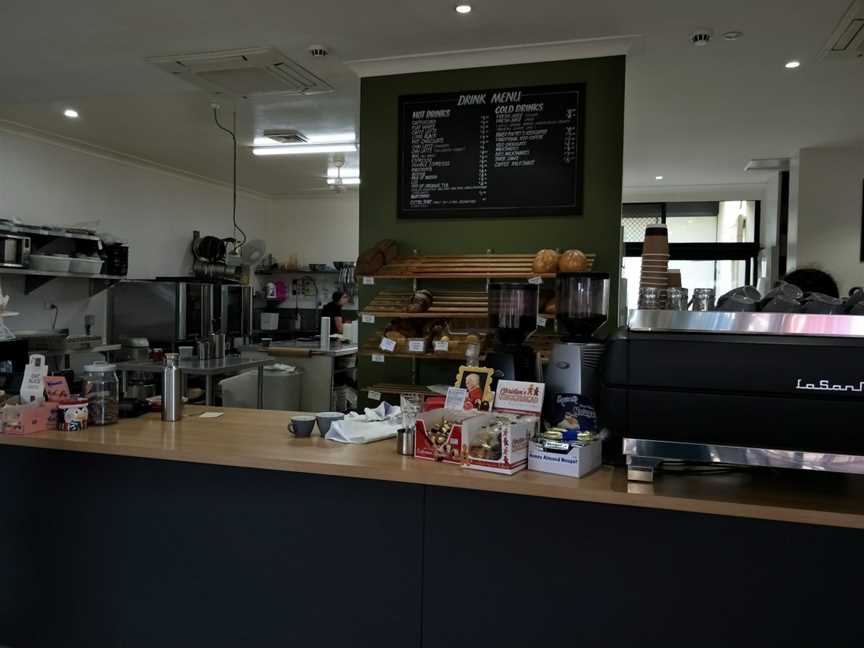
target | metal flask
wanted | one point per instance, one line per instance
(172, 389)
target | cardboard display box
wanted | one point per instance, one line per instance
(578, 462)
(464, 423)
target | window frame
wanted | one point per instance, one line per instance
(747, 252)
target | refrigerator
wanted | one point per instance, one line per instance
(173, 313)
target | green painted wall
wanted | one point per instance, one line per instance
(597, 230)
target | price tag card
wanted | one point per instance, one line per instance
(535, 280)
(387, 344)
(456, 397)
(373, 395)
(442, 345)
(368, 281)
(367, 319)
(541, 321)
(417, 346)
(378, 357)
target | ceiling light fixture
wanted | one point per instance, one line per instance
(71, 113)
(733, 35)
(658, 177)
(791, 65)
(301, 149)
(324, 138)
(463, 9)
(343, 181)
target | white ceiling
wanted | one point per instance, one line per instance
(694, 115)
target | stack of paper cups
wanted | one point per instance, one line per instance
(655, 258)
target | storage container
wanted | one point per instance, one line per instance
(50, 262)
(102, 390)
(282, 389)
(86, 265)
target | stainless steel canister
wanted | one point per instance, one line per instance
(172, 389)
(405, 441)
(217, 342)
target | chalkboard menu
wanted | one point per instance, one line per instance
(503, 152)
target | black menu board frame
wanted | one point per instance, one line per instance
(573, 206)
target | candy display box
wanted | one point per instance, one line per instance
(580, 460)
(500, 446)
(439, 433)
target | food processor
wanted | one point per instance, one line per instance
(582, 307)
(512, 318)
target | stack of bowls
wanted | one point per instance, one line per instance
(655, 258)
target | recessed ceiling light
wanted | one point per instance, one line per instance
(300, 149)
(343, 181)
(463, 9)
(658, 177)
(733, 35)
(791, 65)
(71, 113)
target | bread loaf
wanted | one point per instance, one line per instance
(545, 262)
(572, 261)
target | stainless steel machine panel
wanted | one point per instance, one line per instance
(746, 323)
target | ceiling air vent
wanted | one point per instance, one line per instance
(243, 72)
(847, 40)
(289, 136)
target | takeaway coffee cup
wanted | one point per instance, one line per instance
(302, 426)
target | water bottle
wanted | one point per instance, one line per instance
(172, 389)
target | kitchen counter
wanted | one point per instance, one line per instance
(294, 348)
(229, 532)
(258, 439)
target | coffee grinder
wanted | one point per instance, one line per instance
(512, 317)
(582, 307)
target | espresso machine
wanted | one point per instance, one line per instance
(513, 317)
(582, 307)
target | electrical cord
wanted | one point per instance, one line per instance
(233, 134)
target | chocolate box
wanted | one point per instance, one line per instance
(450, 450)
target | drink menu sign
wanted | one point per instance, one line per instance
(503, 152)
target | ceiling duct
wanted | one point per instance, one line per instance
(768, 164)
(244, 72)
(288, 136)
(847, 39)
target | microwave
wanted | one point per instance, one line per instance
(14, 250)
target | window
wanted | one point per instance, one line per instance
(714, 244)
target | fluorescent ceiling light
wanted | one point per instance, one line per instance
(345, 181)
(301, 149)
(324, 138)
(71, 113)
(463, 9)
(791, 65)
(658, 177)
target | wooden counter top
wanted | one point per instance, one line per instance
(258, 439)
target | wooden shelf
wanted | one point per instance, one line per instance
(441, 355)
(398, 390)
(446, 304)
(466, 266)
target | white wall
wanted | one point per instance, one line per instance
(317, 230)
(829, 213)
(42, 182)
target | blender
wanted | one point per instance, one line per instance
(582, 307)
(512, 317)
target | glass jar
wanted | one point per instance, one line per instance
(102, 391)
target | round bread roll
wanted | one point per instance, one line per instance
(545, 261)
(572, 261)
(472, 339)
(396, 336)
(551, 307)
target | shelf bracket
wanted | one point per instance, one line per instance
(34, 282)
